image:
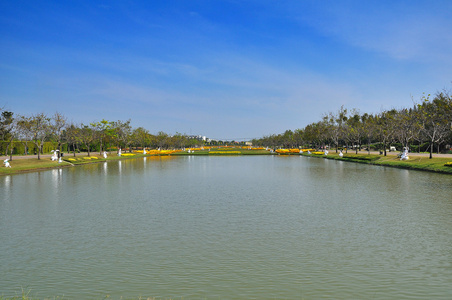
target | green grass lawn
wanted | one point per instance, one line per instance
(436, 164)
(45, 163)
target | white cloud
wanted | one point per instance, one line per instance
(406, 30)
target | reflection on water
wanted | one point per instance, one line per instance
(228, 228)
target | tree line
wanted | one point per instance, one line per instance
(420, 128)
(34, 131)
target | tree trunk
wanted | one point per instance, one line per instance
(11, 151)
(39, 152)
(431, 150)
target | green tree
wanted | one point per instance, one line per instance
(101, 130)
(8, 131)
(436, 116)
(57, 126)
(386, 126)
(38, 126)
(141, 137)
(86, 135)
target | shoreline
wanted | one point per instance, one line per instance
(417, 161)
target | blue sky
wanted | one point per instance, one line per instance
(224, 69)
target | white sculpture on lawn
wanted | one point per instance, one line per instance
(54, 155)
(326, 152)
(105, 154)
(6, 163)
(144, 151)
(340, 153)
(119, 153)
(404, 155)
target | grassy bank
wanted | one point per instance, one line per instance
(421, 163)
(45, 163)
(23, 165)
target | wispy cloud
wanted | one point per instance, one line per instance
(407, 30)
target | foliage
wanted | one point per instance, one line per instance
(418, 128)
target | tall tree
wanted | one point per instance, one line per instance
(101, 130)
(122, 133)
(336, 123)
(87, 135)
(386, 126)
(57, 126)
(72, 136)
(369, 128)
(141, 137)
(436, 118)
(38, 127)
(8, 131)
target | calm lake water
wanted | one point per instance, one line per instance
(245, 227)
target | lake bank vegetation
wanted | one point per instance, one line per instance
(425, 127)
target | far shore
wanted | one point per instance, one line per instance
(48, 155)
(417, 161)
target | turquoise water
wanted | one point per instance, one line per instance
(244, 227)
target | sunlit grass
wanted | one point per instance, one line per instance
(423, 163)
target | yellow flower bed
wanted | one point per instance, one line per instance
(73, 159)
(128, 154)
(448, 164)
(166, 151)
(282, 150)
(87, 157)
(306, 150)
(318, 152)
(225, 152)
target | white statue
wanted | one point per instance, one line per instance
(119, 153)
(340, 153)
(326, 152)
(309, 152)
(6, 163)
(54, 155)
(404, 155)
(60, 160)
(144, 151)
(105, 154)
